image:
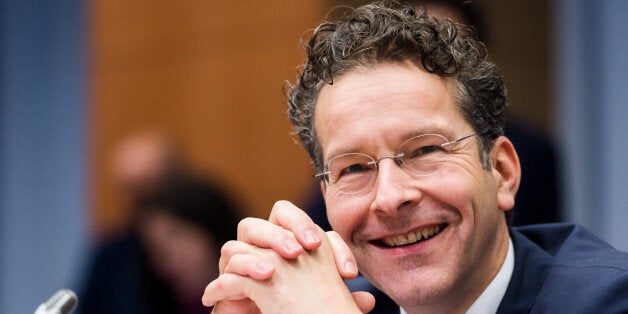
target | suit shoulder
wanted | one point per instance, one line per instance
(571, 245)
(585, 274)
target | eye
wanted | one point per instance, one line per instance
(424, 150)
(354, 168)
(350, 167)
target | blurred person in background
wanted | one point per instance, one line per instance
(142, 161)
(171, 252)
(176, 222)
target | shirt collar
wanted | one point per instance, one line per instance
(489, 300)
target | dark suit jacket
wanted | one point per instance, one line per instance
(562, 268)
(559, 268)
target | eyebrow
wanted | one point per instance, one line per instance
(341, 151)
(433, 129)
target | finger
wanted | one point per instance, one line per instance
(231, 248)
(264, 234)
(227, 287)
(345, 261)
(250, 265)
(290, 217)
(364, 300)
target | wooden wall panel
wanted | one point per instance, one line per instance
(211, 72)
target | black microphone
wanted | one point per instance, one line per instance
(62, 302)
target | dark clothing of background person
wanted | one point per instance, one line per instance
(121, 276)
(121, 281)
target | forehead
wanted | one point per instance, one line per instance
(384, 104)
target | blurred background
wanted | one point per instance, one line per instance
(79, 77)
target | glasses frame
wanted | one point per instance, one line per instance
(396, 158)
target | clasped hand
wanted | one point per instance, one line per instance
(286, 264)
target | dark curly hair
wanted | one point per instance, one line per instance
(388, 32)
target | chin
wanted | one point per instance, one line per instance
(420, 287)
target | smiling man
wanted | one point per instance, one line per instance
(422, 218)
(402, 116)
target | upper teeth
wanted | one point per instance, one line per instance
(412, 237)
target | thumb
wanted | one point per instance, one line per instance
(364, 300)
(345, 261)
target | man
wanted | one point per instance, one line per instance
(402, 117)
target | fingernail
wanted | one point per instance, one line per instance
(291, 245)
(311, 236)
(350, 267)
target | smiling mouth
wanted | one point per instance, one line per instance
(412, 237)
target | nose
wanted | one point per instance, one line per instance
(393, 189)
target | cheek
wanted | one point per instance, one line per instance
(466, 193)
(346, 213)
(453, 191)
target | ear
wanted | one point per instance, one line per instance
(323, 188)
(506, 171)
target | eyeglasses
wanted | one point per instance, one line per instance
(422, 155)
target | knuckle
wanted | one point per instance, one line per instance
(228, 247)
(225, 281)
(245, 224)
(280, 203)
(219, 284)
(280, 207)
